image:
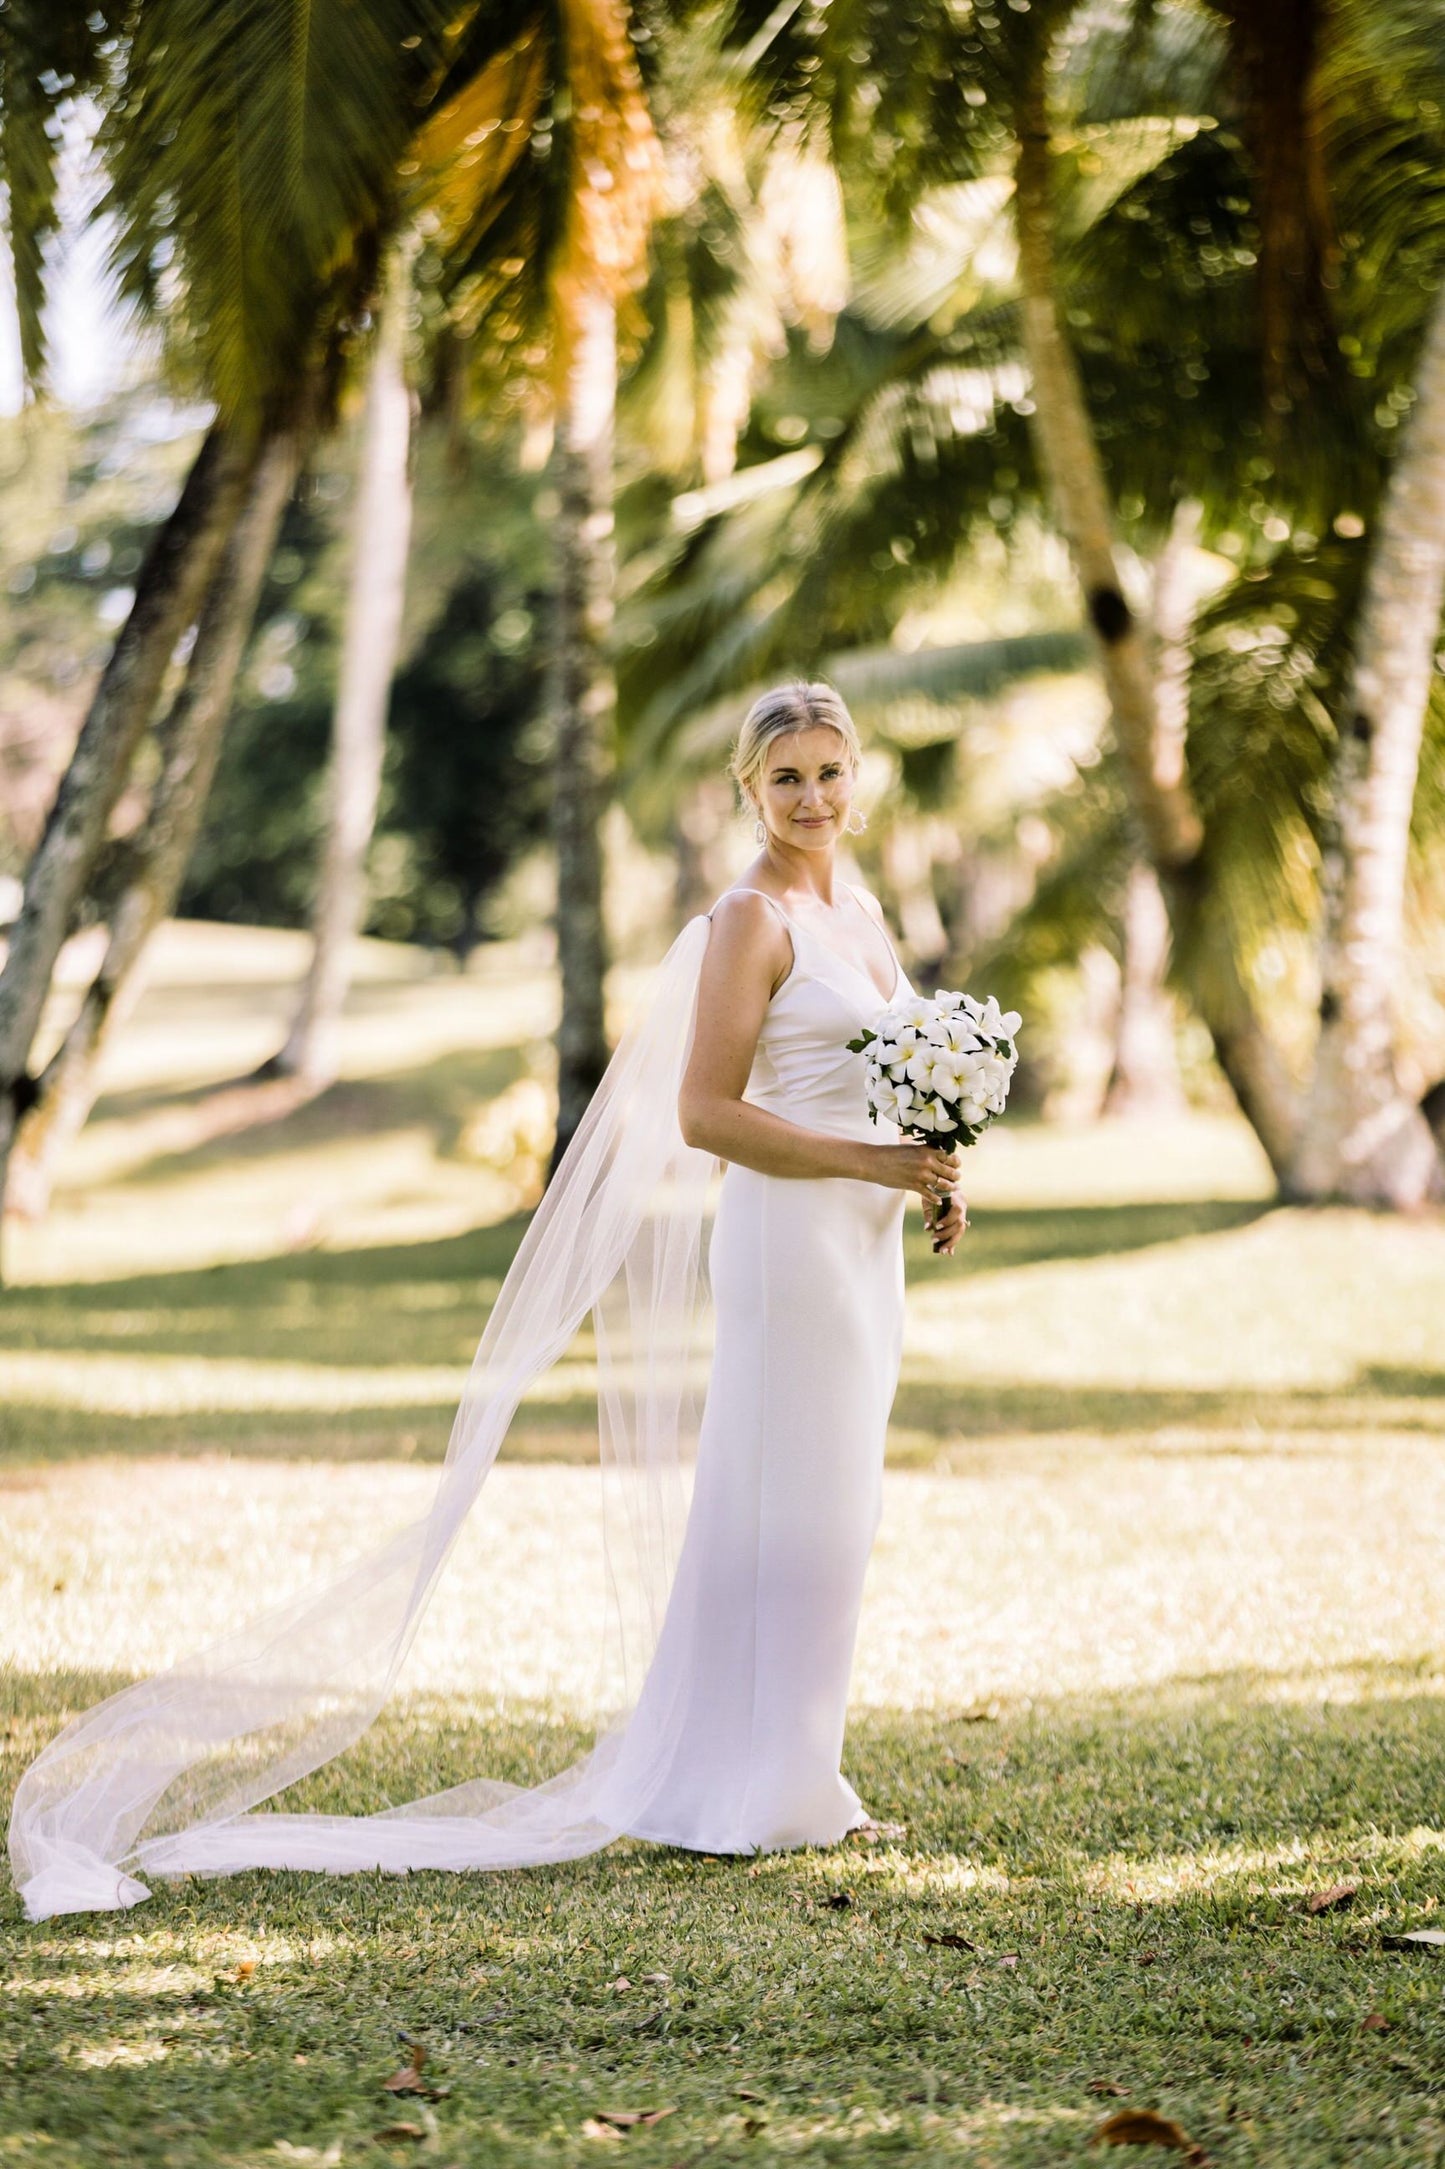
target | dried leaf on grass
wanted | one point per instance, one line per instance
(950, 1941)
(1415, 1939)
(409, 2079)
(1107, 2086)
(624, 2119)
(1145, 2127)
(400, 2131)
(1326, 1901)
(839, 1899)
(1376, 2022)
(245, 1969)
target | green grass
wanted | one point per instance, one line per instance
(1151, 1650)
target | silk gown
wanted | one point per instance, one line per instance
(744, 1704)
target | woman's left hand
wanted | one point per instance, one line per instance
(950, 1224)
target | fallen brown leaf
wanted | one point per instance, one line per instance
(839, 1899)
(409, 2079)
(1145, 2127)
(245, 1969)
(620, 1986)
(950, 1941)
(1375, 2023)
(1326, 1901)
(1106, 2086)
(400, 2131)
(592, 2129)
(625, 2119)
(1414, 1939)
(1008, 1958)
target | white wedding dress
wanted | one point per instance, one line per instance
(731, 1604)
(749, 1685)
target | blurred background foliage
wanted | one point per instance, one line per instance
(824, 466)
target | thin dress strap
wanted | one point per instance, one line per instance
(745, 890)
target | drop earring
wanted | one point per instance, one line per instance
(860, 818)
(760, 832)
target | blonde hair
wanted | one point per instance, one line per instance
(800, 705)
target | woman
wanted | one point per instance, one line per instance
(806, 1262)
(736, 1609)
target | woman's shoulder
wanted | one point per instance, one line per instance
(744, 906)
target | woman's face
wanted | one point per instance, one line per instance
(806, 788)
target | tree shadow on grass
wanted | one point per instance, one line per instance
(264, 1303)
(1124, 1878)
(250, 1120)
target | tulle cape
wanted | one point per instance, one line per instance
(165, 1777)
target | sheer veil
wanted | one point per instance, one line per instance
(166, 1777)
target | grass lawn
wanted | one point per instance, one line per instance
(1153, 1650)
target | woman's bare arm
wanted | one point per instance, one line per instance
(748, 955)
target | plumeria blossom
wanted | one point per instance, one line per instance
(940, 1069)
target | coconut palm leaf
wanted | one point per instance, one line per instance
(49, 56)
(253, 152)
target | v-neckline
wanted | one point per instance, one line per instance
(861, 970)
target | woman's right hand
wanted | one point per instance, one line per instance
(928, 1169)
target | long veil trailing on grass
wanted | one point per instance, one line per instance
(163, 1778)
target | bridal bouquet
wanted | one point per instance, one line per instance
(941, 1069)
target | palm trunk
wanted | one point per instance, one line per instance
(1153, 754)
(190, 743)
(585, 701)
(1145, 1074)
(1363, 1138)
(381, 534)
(176, 573)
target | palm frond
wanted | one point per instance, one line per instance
(49, 57)
(254, 152)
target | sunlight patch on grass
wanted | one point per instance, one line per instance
(156, 1385)
(1295, 1300)
(1123, 1569)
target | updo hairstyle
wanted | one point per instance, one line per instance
(800, 705)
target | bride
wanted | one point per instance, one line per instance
(736, 1608)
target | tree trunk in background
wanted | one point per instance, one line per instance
(1363, 1138)
(177, 571)
(1152, 755)
(380, 537)
(703, 815)
(584, 705)
(190, 743)
(907, 852)
(1145, 1075)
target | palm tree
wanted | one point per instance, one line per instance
(252, 163)
(380, 536)
(189, 742)
(1015, 77)
(1363, 1137)
(537, 250)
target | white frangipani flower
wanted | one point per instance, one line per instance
(937, 1068)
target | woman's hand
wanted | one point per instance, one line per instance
(949, 1225)
(933, 1173)
(928, 1169)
